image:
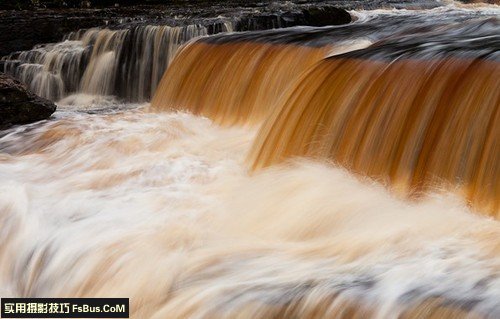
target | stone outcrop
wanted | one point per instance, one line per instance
(23, 29)
(20, 106)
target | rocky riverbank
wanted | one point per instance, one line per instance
(23, 29)
(20, 106)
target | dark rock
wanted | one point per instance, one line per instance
(497, 2)
(319, 17)
(311, 16)
(20, 106)
(15, 4)
(21, 30)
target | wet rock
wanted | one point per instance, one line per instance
(23, 29)
(15, 4)
(319, 17)
(312, 16)
(20, 106)
(497, 2)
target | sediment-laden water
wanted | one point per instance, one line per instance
(337, 172)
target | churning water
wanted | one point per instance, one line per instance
(159, 208)
(178, 213)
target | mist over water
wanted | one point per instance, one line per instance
(160, 203)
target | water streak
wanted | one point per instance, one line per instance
(160, 208)
(127, 63)
(108, 199)
(416, 110)
(232, 83)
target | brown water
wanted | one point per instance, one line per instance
(270, 178)
(412, 124)
(414, 112)
(232, 83)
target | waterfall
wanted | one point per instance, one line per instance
(49, 70)
(400, 111)
(127, 63)
(335, 172)
(232, 83)
(411, 124)
(151, 49)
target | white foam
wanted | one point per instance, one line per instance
(160, 208)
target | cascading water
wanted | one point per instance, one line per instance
(412, 133)
(126, 63)
(49, 70)
(439, 121)
(192, 219)
(198, 79)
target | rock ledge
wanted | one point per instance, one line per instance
(20, 106)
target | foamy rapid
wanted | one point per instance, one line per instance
(114, 200)
(160, 208)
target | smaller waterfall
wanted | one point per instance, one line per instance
(147, 53)
(127, 63)
(99, 75)
(49, 70)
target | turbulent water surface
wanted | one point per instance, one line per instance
(113, 199)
